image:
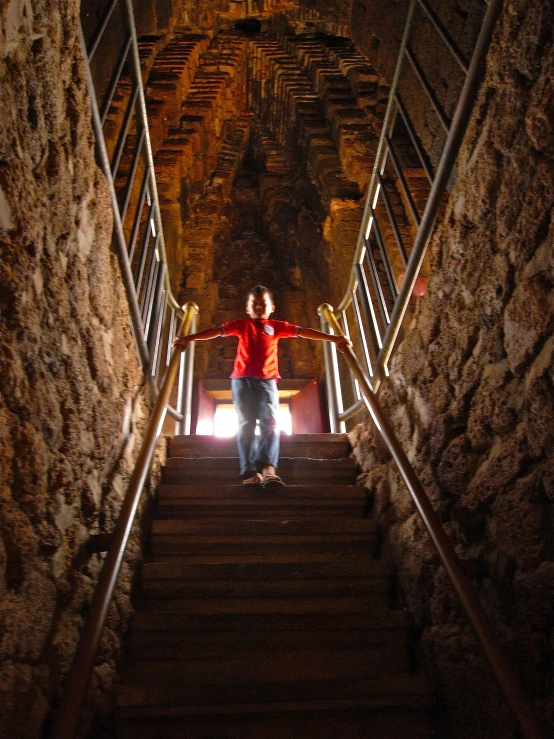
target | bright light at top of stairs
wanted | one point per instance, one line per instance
(225, 424)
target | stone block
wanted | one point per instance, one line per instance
(527, 320)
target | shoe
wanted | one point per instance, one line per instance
(256, 479)
(273, 483)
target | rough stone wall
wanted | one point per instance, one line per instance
(472, 399)
(72, 402)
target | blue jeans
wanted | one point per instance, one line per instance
(256, 400)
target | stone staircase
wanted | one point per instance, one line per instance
(266, 616)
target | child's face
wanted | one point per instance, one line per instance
(259, 306)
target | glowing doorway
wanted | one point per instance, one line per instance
(225, 420)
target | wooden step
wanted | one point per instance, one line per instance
(286, 556)
(277, 588)
(262, 571)
(291, 494)
(316, 446)
(265, 615)
(183, 508)
(293, 470)
(322, 720)
(274, 525)
(286, 604)
(363, 544)
(157, 699)
(218, 535)
(263, 579)
(336, 663)
(206, 645)
(326, 619)
(240, 536)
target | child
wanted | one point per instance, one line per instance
(254, 382)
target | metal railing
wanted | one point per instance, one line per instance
(156, 318)
(129, 170)
(378, 303)
(508, 681)
(69, 710)
(378, 294)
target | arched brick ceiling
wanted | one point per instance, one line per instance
(212, 16)
(297, 95)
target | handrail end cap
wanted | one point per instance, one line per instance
(323, 308)
(192, 305)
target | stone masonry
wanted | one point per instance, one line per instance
(73, 402)
(471, 396)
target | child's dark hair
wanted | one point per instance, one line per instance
(260, 290)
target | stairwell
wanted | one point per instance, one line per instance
(267, 615)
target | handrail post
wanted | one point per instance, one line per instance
(334, 395)
(119, 240)
(380, 156)
(69, 711)
(125, 252)
(184, 387)
(518, 701)
(143, 116)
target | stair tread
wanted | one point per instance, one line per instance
(292, 469)
(330, 507)
(269, 538)
(222, 463)
(264, 614)
(286, 557)
(263, 580)
(307, 721)
(361, 544)
(147, 642)
(273, 667)
(269, 525)
(277, 588)
(386, 690)
(176, 509)
(283, 604)
(306, 445)
(199, 490)
(203, 439)
(264, 505)
(222, 444)
(269, 621)
(265, 570)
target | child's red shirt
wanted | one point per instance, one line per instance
(257, 348)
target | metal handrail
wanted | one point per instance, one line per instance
(149, 154)
(157, 310)
(444, 170)
(156, 292)
(508, 681)
(69, 710)
(380, 158)
(392, 317)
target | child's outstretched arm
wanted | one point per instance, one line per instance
(208, 333)
(310, 333)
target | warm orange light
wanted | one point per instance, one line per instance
(225, 421)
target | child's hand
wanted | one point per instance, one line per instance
(181, 342)
(341, 342)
